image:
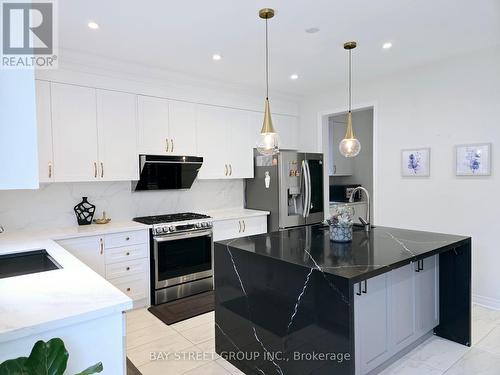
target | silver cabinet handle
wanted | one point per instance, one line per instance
(365, 290)
(225, 169)
(50, 169)
(172, 144)
(102, 169)
(239, 226)
(95, 170)
(167, 145)
(101, 245)
(230, 169)
(334, 169)
(359, 289)
(244, 226)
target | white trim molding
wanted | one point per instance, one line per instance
(491, 303)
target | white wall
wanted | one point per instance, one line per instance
(440, 105)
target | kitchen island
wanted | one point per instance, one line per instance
(293, 302)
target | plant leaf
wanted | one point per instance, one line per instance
(14, 367)
(92, 369)
(47, 358)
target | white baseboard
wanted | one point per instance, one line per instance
(491, 303)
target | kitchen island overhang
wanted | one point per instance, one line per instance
(289, 302)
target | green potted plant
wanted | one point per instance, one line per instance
(46, 358)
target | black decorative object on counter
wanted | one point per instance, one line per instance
(84, 212)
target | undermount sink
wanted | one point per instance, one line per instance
(27, 262)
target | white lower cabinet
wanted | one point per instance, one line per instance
(121, 258)
(393, 310)
(427, 294)
(240, 227)
(371, 323)
(90, 250)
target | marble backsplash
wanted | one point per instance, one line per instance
(52, 205)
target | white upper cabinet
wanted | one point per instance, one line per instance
(212, 140)
(117, 135)
(287, 128)
(18, 139)
(74, 133)
(242, 134)
(153, 125)
(182, 128)
(226, 138)
(44, 128)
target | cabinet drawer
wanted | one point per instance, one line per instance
(242, 227)
(131, 267)
(135, 286)
(125, 253)
(126, 238)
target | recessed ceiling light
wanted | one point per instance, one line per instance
(216, 57)
(312, 30)
(387, 45)
(93, 25)
(294, 76)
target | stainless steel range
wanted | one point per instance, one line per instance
(181, 255)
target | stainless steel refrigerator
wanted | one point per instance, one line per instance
(290, 186)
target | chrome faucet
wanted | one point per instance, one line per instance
(366, 220)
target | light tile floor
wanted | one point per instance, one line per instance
(188, 348)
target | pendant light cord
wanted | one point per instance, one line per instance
(267, 66)
(350, 89)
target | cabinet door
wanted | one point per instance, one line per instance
(90, 250)
(402, 313)
(371, 322)
(226, 229)
(427, 295)
(153, 125)
(182, 128)
(211, 132)
(117, 135)
(242, 134)
(287, 128)
(44, 128)
(339, 164)
(74, 131)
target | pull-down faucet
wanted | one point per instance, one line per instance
(366, 220)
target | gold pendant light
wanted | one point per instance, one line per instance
(349, 146)
(268, 143)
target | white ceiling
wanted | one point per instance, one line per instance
(182, 36)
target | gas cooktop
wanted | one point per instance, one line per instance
(170, 218)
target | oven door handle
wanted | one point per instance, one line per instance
(176, 236)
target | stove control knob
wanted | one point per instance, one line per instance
(164, 229)
(198, 225)
(157, 230)
(171, 228)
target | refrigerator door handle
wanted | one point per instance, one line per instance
(305, 195)
(307, 184)
(309, 188)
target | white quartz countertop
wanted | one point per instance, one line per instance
(38, 302)
(234, 213)
(71, 232)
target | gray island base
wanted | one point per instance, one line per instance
(293, 302)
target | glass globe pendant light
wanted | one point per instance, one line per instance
(349, 146)
(268, 142)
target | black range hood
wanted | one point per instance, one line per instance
(158, 172)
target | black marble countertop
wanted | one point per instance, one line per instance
(368, 255)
